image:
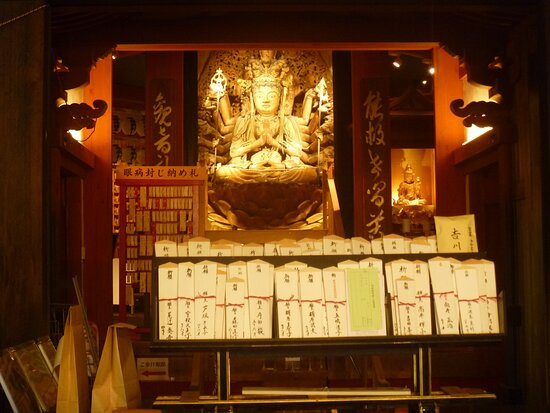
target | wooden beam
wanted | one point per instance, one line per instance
(352, 46)
(450, 186)
(96, 283)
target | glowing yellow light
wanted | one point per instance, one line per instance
(76, 134)
(218, 83)
(474, 131)
(431, 70)
(474, 92)
(424, 82)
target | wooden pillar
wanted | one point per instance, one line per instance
(96, 285)
(371, 146)
(531, 214)
(450, 192)
(23, 275)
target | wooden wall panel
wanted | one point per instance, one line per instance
(97, 275)
(23, 279)
(449, 135)
(530, 295)
(65, 182)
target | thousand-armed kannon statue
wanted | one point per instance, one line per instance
(266, 134)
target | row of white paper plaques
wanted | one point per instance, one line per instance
(252, 299)
(453, 235)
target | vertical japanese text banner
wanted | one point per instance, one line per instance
(160, 112)
(164, 109)
(376, 158)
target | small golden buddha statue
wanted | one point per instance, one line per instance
(409, 190)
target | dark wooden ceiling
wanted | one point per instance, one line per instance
(478, 29)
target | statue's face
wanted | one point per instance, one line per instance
(266, 100)
(266, 56)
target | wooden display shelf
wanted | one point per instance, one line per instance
(174, 402)
(325, 344)
(418, 347)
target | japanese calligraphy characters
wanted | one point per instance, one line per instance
(445, 296)
(205, 299)
(312, 300)
(186, 301)
(287, 291)
(456, 234)
(468, 300)
(260, 298)
(236, 324)
(162, 110)
(168, 301)
(377, 191)
(334, 283)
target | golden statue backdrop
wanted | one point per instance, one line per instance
(266, 134)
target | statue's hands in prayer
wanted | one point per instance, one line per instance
(271, 142)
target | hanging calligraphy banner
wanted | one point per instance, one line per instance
(376, 161)
(164, 109)
(371, 145)
(162, 122)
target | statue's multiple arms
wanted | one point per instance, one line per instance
(307, 106)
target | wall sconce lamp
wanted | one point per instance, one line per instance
(480, 114)
(77, 116)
